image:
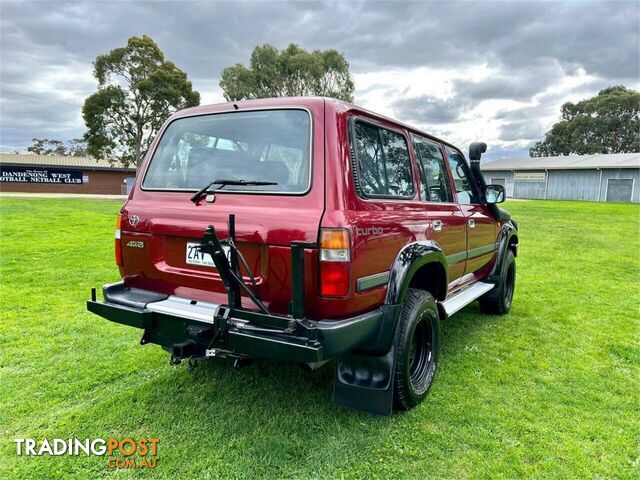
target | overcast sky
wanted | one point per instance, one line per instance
(491, 71)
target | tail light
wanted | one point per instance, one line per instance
(335, 263)
(118, 245)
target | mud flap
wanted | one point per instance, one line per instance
(365, 382)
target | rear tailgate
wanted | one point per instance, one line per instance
(158, 225)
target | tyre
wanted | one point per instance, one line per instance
(417, 344)
(498, 301)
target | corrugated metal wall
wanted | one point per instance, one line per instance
(589, 184)
(573, 185)
(528, 189)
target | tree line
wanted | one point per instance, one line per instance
(139, 88)
(76, 147)
(606, 123)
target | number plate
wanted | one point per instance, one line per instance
(195, 257)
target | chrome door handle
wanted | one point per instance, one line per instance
(437, 225)
(472, 223)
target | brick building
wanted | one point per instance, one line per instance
(57, 174)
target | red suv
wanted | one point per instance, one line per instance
(308, 229)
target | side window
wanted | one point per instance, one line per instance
(460, 171)
(383, 163)
(434, 180)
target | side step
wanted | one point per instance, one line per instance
(465, 296)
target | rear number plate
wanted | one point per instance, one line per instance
(195, 257)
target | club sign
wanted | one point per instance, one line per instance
(9, 174)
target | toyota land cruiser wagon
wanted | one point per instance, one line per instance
(306, 230)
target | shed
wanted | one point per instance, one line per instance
(596, 178)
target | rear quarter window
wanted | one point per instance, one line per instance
(383, 165)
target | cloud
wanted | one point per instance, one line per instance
(502, 153)
(499, 70)
(522, 130)
(503, 83)
(429, 109)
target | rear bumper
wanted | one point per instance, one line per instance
(192, 328)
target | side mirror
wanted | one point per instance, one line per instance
(476, 149)
(495, 194)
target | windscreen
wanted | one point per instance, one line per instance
(266, 145)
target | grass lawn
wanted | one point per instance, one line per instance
(551, 390)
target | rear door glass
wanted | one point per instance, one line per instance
(383, 162)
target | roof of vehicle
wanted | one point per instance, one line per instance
(31, 160)
(339, 105)
(570, 162)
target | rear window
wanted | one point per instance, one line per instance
(266, 145)
(382, 162)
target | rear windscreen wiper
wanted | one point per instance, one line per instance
(224, 182)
